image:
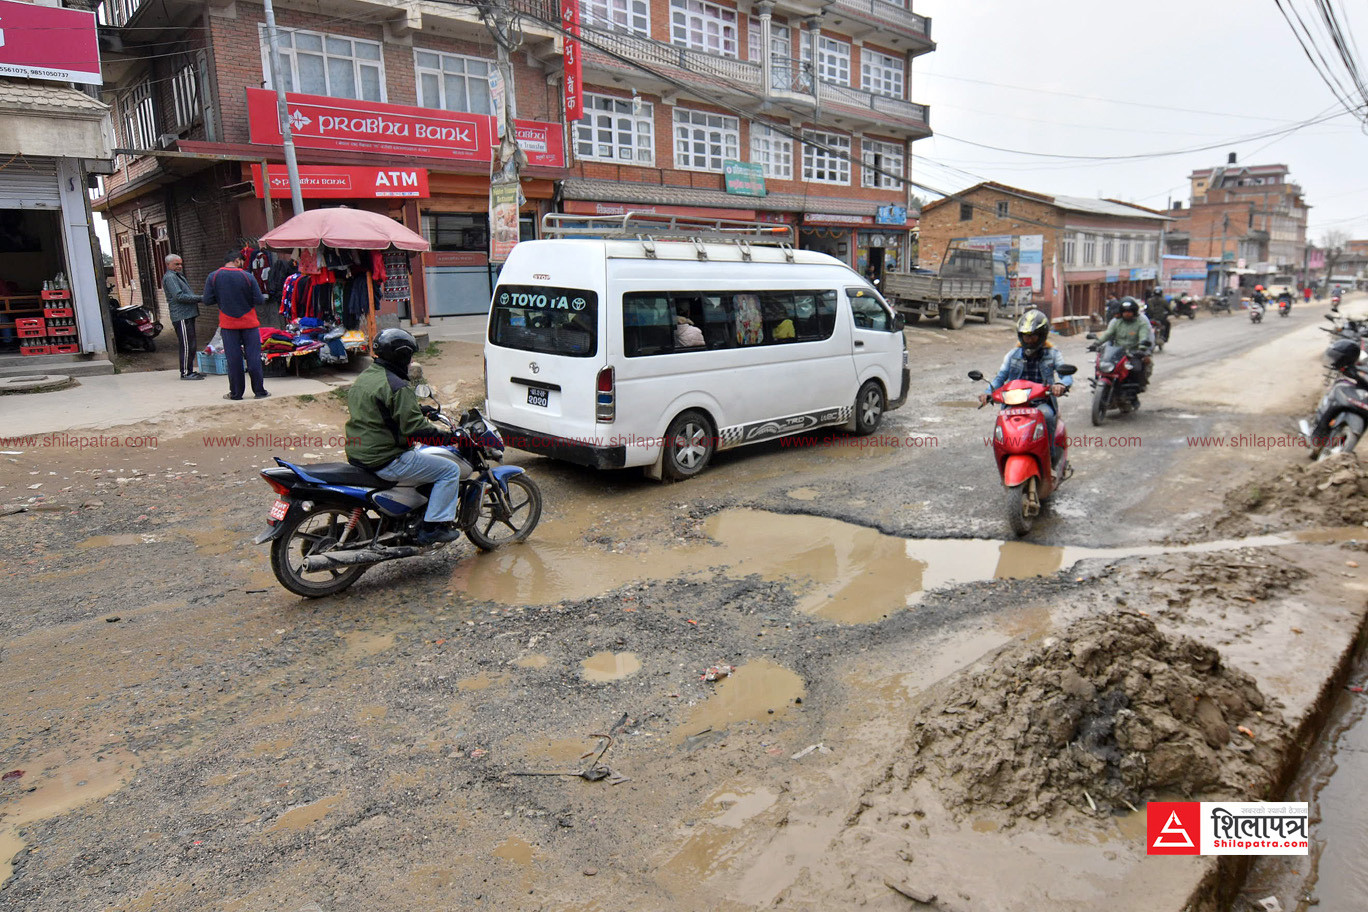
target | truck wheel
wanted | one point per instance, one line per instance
(911, 318)
(993, 312)
(952, 315)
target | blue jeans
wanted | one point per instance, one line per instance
(1047, 409)
(415, 468)
(240, 345)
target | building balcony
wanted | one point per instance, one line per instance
(891, 21)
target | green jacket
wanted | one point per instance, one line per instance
(180, 300)
(384, 415)
(1127, 335)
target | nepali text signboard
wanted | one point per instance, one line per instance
(574, 64)
(339, 182)
(743, 178)
(891, 215)
(346, 125)
(48, 42)
(504, 230)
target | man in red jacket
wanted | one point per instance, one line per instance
(235, 292)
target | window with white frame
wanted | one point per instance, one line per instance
(453, 82)
(704, 141)
(704, 27)
(185, 94)
(1070, 249)
(139, 117)
(881, 160)
(1107, 248)
(616, 130)
(772, 151)
(321, 64)
(1124, 251)
(780, 52)
(881, 74)
(618, 15)
(833, 60)
(1089, 249)
(826, 158)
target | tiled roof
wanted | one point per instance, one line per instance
(28, 96)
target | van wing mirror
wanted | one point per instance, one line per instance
(898, 322)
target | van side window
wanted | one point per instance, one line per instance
(868, 311)
(647, 323)
(727, 319)
(814, 315)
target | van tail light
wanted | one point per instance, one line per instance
(606, 398)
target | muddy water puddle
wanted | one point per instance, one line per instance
(843, 572)
(602, 667)
(304, 816)
(753, 692)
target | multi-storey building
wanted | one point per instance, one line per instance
(1065, 254)
(1237, 212)
(676, 94)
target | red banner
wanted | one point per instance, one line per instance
(574, 66)
(321, 122)
(328, 182)
(48, 42)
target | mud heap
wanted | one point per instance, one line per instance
(1112, 708)
(1326, 493)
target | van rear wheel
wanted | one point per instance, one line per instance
(689, 445)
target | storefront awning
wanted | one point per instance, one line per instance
(53, 121)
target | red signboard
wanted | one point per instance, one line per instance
(48, 42)
(342, 124)
(328, 182)
(574, 65)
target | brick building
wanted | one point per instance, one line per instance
(1065, 254)
(178, 74)
(1249, 213)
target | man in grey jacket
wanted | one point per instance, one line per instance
(184, 306)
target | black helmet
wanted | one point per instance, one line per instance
(1130, 306)
(395, 349)
(1033, 331)
(1342, 355)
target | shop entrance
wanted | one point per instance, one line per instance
(30, 254)
(460, 278)
(831, 241)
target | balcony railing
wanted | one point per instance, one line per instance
(651, 52)
(892, 12)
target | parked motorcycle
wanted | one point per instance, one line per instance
(1022, 451)
(332, 522)
(134, 328)
(1118, 376)
(1256, 312)
(1342, 413)
(1219, 304)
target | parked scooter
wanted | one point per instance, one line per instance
(1118, 376)
(1022, 451)
(331, 522)
(134, 328)
(1342, 414)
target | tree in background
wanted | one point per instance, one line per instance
(1333, 243)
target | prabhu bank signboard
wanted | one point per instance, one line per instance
(327, 182)
(48, 42)
(346, 125)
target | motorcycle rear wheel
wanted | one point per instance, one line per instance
(306, 535)
(503, 521)
(1016, 510)
(1099, 406)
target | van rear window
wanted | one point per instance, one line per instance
(553, 321)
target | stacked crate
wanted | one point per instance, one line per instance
(54, 333)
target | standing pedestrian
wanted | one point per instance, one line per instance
(235, 292)
(184, 306)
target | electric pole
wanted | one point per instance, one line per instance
(505, 181)
(282, 113)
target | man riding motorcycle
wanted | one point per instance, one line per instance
(1158, 308)
(386, 419)
(1035, 360)
(1132, 334)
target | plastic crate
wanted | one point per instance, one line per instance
(64, 295)
(61, 331)
(216, 363)
(65, 348)
(25, 333)
(35, 349)
(51, 312)
(30, 323)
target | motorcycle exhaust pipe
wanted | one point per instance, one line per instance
(316, 562)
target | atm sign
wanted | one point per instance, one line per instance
(329, 182)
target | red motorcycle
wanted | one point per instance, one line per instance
(1022, 452)
(1117, 379)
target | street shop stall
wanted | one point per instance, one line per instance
(345, 263)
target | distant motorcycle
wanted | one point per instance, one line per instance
(1022, 451)
(1284, 306)
(1161, 333)
(1256, 312)
(332, 522)
(1185, 307)
(1117, 378)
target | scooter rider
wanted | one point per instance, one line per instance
(386, 419)
(1132, 334)
(1035, 360)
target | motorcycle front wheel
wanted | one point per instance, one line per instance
(1099, 405)
(312, 533)
(502, 519)
(1017, 501)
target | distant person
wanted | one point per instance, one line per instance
(184, 306)
(1306, 295)
(235, 292)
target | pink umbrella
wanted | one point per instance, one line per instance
(345, 229)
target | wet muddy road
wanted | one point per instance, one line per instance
(672, 697)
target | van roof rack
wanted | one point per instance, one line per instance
(649, 227)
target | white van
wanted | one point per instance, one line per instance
(667, 342)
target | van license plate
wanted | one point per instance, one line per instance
(537, 396)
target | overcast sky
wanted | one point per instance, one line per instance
(1155, 77)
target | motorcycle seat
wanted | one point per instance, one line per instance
(344, 473)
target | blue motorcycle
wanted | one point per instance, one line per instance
(331, 522)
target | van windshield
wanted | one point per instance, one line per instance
(553, 321)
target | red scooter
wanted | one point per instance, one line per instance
(1116, 380)
(1022, 451)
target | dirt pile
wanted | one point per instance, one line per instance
(1113, 708)
(1230, 576)
(1326, 493)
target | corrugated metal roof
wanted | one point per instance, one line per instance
(1104, 207)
